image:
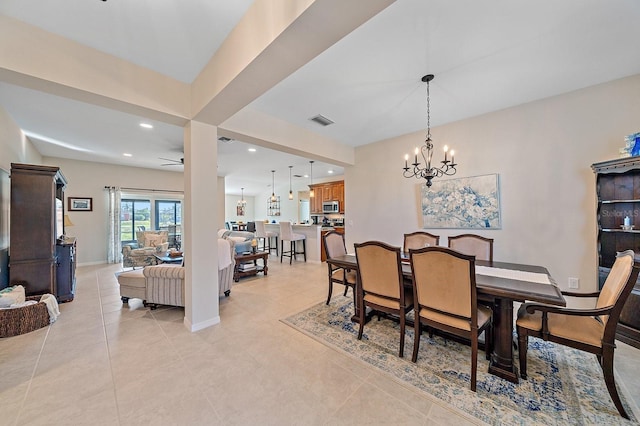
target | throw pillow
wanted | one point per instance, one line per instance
(152, 240)
(242, 247)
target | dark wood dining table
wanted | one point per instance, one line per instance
(500, 293)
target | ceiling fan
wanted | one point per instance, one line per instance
(173, 162)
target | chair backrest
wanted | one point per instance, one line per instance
(334, 244)
(419, 239)
(618, 285)
(286, 231)
(260, 230)
(251, 227)
(475, 245)
(142, 236)
(444, 281)
(380, 269)
(227, 226)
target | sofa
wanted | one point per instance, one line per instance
(164, 284)
(141, 253)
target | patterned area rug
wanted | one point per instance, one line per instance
(565, 386)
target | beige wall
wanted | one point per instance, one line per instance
(542, 151)
(14, 146)
(87, 179)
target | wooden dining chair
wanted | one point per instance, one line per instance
(380, 284)
(590, 330)
(444, 291)
(419, 239)
(334, 246)
(471, 244)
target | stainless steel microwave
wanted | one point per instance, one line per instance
(330, 207)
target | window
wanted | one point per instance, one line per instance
(135, 215)
(168, 212)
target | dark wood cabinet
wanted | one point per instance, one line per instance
(37, 209)
(618, 197)
(66, 269)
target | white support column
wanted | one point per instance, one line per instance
(199, 223)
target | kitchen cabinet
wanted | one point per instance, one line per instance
(618, 196)
(330, 191)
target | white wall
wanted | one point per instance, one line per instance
(87, 179)
(14, 146)
(231, 204)
(542, 151)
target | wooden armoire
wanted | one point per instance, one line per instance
(37, 195)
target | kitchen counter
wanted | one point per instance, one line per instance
(312, 234)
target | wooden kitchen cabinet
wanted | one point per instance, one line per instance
(331, 191)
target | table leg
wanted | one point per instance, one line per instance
(264, 261)
(502, 364)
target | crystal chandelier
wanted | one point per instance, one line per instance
(429, 172)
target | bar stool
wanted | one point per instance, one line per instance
(286, 234)
(266, 236)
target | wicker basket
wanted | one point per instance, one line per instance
(24, 320)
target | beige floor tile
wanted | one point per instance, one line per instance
(124, 364)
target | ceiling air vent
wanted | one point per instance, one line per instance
(225, 139)
(322, 120)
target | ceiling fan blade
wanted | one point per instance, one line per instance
(171, 159)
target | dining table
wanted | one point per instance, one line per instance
(498, 284)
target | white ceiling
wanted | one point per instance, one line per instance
(486, 56)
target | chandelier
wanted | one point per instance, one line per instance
(429, 172)
(311, 191)
(242, 202)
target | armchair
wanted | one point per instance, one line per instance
(141, 253)
(589, 330)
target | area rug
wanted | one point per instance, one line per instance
(565, 386)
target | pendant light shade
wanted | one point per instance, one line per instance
(290, 191)
(273, 186)
(311, 191)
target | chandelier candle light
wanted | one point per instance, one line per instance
(428, 172)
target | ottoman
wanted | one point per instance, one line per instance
(132, 284)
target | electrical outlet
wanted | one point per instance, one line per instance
(574, 283)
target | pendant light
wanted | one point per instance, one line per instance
(311, 191)
(242, 202)
(273, 186)
(290, 191)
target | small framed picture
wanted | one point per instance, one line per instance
(80, 204)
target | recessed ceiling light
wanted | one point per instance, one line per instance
(251, 150)
(306, 176)
(146, 125)
(126, 154)
(330, 171)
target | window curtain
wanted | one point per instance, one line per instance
(114, 250)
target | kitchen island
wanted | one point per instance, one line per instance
(312, 234)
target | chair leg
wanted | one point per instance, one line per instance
(402, 325)
(330, 286)
(416, 339)
(474, 359)
(607, 370)
(488, 341)
(304, 249)
(346, 288)
(281, 250)
(523, 345)
(292, 253)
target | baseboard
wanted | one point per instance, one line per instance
(201, 325)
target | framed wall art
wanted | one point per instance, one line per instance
(80, 204)
(463, 203)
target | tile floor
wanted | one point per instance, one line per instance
(105, 363)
